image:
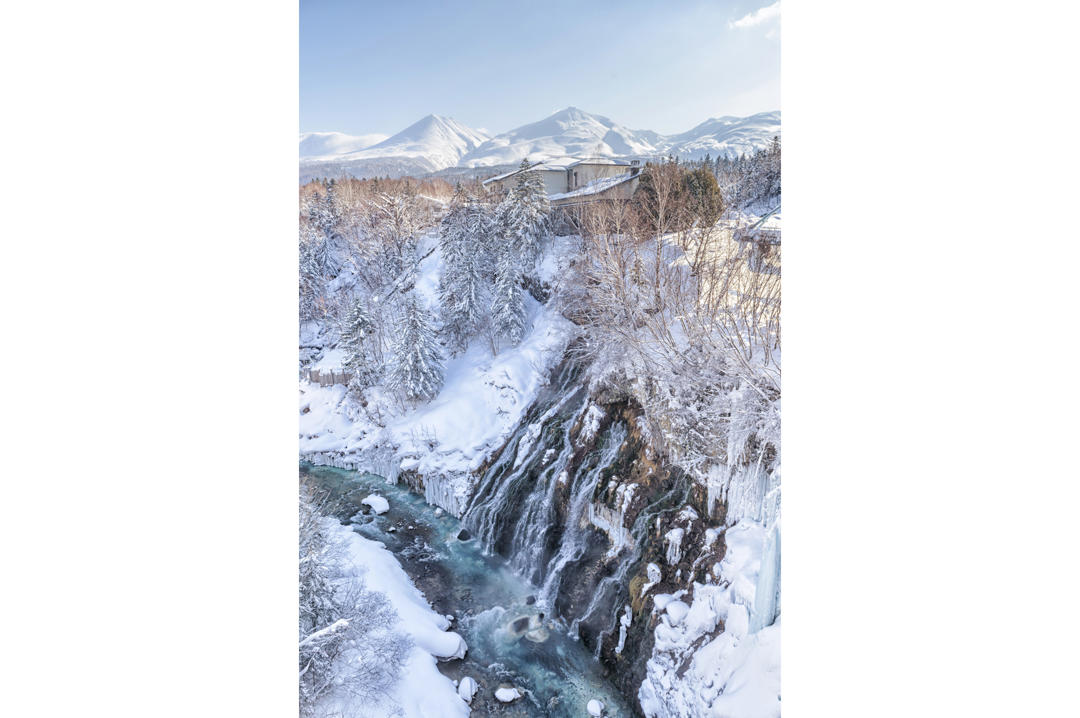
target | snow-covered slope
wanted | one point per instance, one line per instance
(432, 144)
(724, 135)
(439, 140)
(481, 403)
(423, 690)
(332, 144)
(567, 133)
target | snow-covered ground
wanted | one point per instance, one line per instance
(422, 691)
(736, 674)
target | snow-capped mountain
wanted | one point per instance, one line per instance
(567, 133)
(440, 141)
(724, 135)
(329, 144)
(437, 143)
(432, 144)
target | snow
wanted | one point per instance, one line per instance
(378, 504)
(595, 707)
(735, 672)
(481, 402)
(422, 692)
(507, 695)
(436, 143)
(330, 144)
(676, 612)
(467, 689)
(597, 185)
(440, 140)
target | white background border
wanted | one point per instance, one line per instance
(929, 414)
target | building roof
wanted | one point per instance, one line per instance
(539, 167)
(595, 187)
(599, 161)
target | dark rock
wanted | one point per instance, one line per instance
(530, 600)
(464, 535)
(520, 625)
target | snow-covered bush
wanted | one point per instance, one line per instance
(347, 640)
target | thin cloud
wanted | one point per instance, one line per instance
(765, 14)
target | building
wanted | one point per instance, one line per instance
(579, 182)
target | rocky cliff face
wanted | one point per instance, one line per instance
(578, 502)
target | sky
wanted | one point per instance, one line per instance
(377, 67)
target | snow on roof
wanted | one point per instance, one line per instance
(597, 185)
(541, 167)
(600, 161)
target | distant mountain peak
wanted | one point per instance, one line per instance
(436, 142)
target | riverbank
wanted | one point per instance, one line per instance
(556, 675)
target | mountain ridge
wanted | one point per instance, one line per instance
(436, 143)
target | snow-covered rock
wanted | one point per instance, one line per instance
(507, 695)
(595, 708)
(377, 503)
(676, 611)
(467, 689)
(733, 672)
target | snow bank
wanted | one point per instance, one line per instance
(737, 672)
(422, 692)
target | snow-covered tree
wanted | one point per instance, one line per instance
(417, 367)
(348, 640)
(523, 216)
(357, 334)
(463, 238)
(507, 303)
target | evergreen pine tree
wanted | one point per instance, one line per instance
(356, 336)
(524, 216)
(507, 304)
(462, 285)
(417, 369)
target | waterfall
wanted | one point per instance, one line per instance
(572, 545)
(606, 592)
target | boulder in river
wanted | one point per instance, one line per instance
(530, 600)
(507, 694)
(377, 503)
(464, 535)
(467, 689)
(520, 625)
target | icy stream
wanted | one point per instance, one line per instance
(487, 598)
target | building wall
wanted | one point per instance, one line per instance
(587, 173)
(554, 181)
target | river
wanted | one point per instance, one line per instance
(488, 600)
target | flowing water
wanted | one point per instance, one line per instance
(482, 590)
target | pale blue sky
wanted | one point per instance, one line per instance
(664, 66)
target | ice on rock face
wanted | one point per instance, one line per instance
(467, 689)
(377, 503)
(624, 624)
(766, 604)
(674, 539)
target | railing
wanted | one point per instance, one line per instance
(329, 377)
